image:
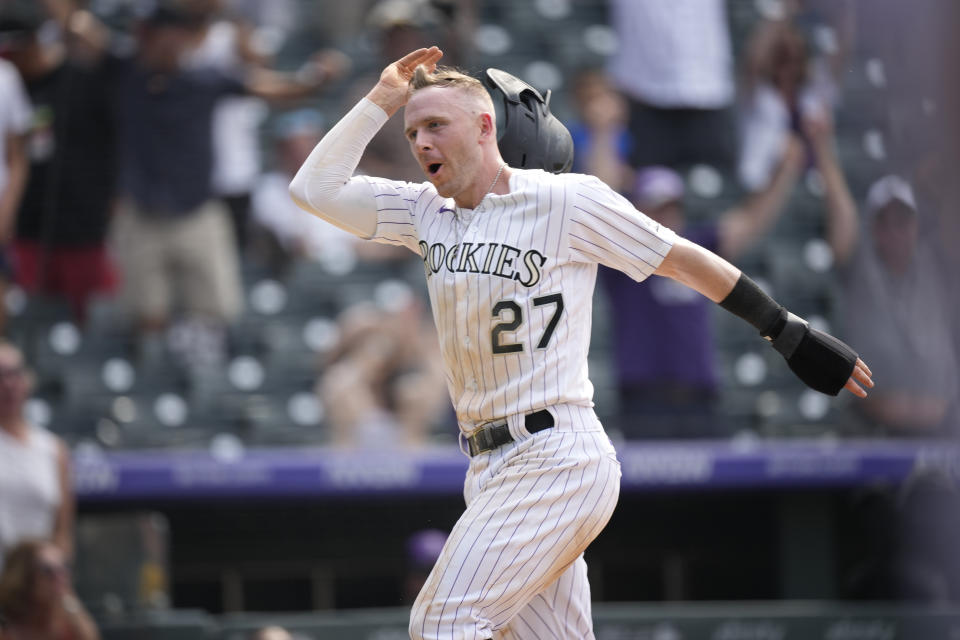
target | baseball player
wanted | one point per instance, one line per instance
(510, 256)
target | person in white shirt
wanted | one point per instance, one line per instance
(785, 87)
(281, 233)
(675, 65)
(36, 490)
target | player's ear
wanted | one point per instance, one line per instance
(487, 127)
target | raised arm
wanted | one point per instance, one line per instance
(276, 86)
(391, 91)
(605, 116)
(323, 185)
(818, 359)
(842, 221)
(86, 37)
(741, 227)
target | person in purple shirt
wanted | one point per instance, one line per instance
(663, 350)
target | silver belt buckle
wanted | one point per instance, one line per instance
(483, 438)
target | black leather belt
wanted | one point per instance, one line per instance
(496, 434)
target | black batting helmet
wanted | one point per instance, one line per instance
(529, 136)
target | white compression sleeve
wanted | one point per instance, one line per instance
(323, 185)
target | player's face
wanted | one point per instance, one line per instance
(444, 135)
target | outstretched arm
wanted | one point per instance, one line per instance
(699, 269)
(323, 185)
(276, 86)
(820, 360)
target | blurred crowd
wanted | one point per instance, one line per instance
(146, 147)
(669, 107)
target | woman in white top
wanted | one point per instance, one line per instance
(36, 492)
(786, 85)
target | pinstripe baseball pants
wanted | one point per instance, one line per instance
(513, 565)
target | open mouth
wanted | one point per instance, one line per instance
(433, 168)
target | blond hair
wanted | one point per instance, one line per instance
(449, 77)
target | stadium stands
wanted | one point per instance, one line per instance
(136, 418)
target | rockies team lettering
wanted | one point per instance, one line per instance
(487, 258)
(514, 329)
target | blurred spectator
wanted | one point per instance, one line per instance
(60, 245)
(915, 49)
(675, 65)
(282, 234)
(14, 124)
(36, 490)
(173, 238)
(667, 377)
(784, 85)
(227, 44)
(601, 141)
(423, 549)
(382, 384)
(895, 306)
(37, 598)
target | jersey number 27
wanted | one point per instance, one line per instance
(511, 325)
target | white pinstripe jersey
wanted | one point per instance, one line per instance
(511, 282)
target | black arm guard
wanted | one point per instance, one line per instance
(821, 361)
